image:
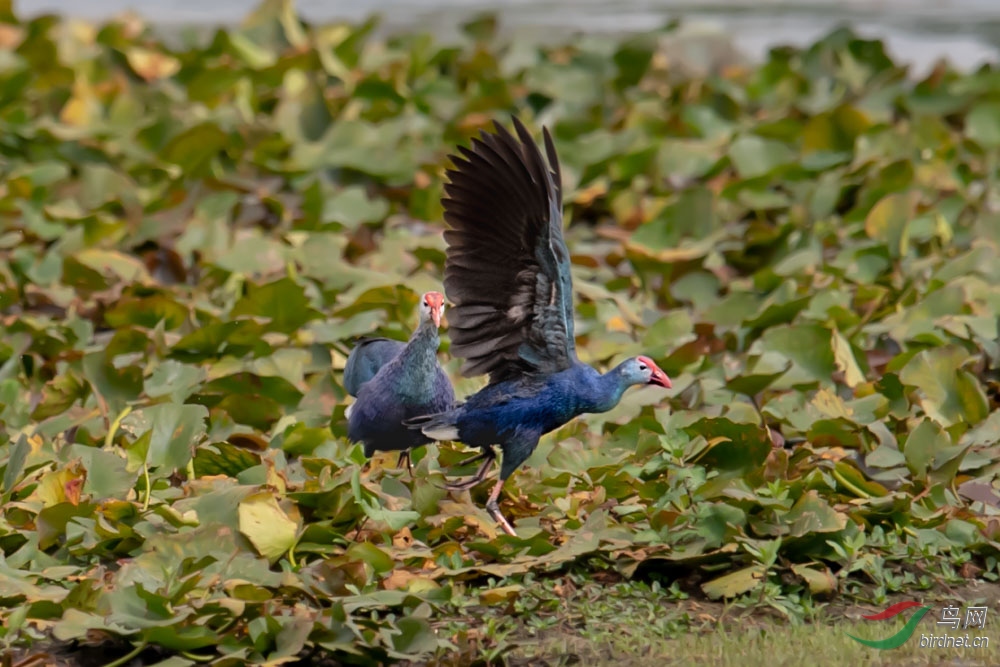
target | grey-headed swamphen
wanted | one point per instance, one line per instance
(394, 381)
(508, 274)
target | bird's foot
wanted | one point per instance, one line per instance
(462, 486)
(472, 459)
(475, 479)
(493, 507)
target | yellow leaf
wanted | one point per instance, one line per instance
(843, 357)
(616, 323)
(831, 405)
(81, 110)
(267, 526)
(151, 65)
(501, 594)
(60, 486)
(409, 581)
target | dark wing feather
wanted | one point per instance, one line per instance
(365, 360)
(507, 271)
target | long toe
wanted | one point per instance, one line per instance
(463, 486)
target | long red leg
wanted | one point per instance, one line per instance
(494, 509)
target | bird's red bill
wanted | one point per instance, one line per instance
(435, 301)
(659, 378)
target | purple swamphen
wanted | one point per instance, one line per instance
(508, 274)
(393, 381)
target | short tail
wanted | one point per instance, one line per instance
(436, 427)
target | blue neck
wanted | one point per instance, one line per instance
(609, 389)
(419, 362)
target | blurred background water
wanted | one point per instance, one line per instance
(966, 32)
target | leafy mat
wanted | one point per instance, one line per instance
(194, 229)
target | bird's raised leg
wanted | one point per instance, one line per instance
(493, 507)
(489, 455)
(405, 456)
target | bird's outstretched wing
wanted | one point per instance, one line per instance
(507, 268)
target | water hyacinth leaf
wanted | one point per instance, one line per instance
(174, 379)
(268, 527)
(173, 432)
(152, 65)
(735, 583)
(283, 301)
(813, 514)
(809, 346)
(193, 149)
(755, 156)
(982, 125)
(732, 446)
(819, 579)
(352, 207)
(15, 463)
(889, 222)
(834, 131)
(847, 363)
(948, 393)
(925, 442)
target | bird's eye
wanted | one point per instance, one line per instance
(642, 367)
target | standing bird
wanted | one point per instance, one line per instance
(393, 381)
(508, 274)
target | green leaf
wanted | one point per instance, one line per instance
(193, 149)
(755, 156)
(889, 222)
(948, 393)
(982, 124)
(925, 442)
(174, 431)
(283, 301)
(812, 514)
(809, 346)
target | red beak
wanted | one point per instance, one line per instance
(659, 378)
(435, 301)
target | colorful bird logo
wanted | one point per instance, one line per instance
(898, 639)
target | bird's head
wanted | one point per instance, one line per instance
(643, 370)
(431, 307)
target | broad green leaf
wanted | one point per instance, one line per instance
(889, 222)
(982, 124)
(948, 393)
(174, 431)
(755, 156)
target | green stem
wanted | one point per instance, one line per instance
(149, 490)
(128, 656)
(196, 657)
(113, 429)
